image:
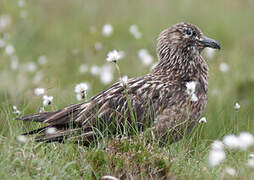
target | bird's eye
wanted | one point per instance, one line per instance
(188, 32)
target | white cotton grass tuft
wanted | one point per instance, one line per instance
(9, 49)
(5, 21)
(79, 97)
(47, 100)
(145, 57)
(81, 90)
(216, 157)
(250, 163)
(15, 110)
(124, 81)
(246, 140)
(14, 62)
(194, 98)
(21, 3)
(98, 46)
(217, 145)
(22, 139)
(107, 30)
(224, 67)
(134, 30)
(114, 56)
(95, 70)
(42, 60)
(231, 141)
(209, 52)
(51, 130)
(106, 74)
(2, 43)
(39, 91)
(216, 154)
(243, 141)
(83, 68)
(107, 177)
(237, 106)
(202, 120)
(191, 88)
(251, 156)
(230, 171)
(81, 87)
(30, 67)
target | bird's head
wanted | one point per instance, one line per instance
(184, 37)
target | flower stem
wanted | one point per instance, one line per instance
(118, 70)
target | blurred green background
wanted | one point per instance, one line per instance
(65, 33)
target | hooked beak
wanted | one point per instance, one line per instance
(207, 42)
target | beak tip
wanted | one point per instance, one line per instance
(207, 42)
(218, 47)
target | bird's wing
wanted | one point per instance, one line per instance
(79, 118)
(179, 115)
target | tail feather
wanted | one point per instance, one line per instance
(65, 117)
(39, 117)
(59, 135)
(75, 135)
(62, 120)
(36, 131)
(59, 116)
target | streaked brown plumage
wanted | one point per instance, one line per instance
(158, 99)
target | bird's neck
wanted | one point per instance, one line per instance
(182, 65)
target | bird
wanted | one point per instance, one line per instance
(167, 101)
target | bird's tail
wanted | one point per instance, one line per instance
(60, 126)
(39, 117)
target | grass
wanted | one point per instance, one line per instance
(58, 29)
